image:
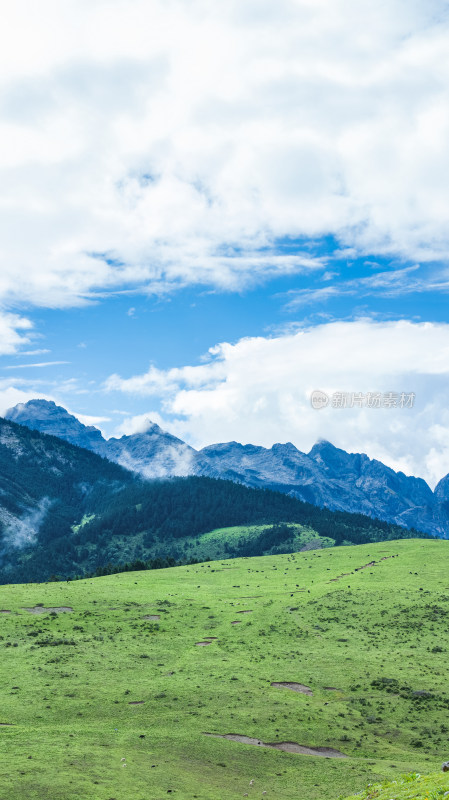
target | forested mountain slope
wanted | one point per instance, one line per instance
(65, 510)
(326, 476)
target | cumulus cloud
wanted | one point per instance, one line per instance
(167, 142)
(259, 389)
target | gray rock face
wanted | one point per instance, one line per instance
(154, 454)
(326, 476)
(442, 490)
(46, 417)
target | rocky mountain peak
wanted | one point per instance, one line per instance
(45, 416)
(326, 476)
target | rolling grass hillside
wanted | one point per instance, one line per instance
(222, 542)
(235, 540)
(408, 787)
(146, 685)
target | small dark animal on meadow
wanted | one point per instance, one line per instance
(445, 766)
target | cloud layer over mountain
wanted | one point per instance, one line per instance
(259, 390)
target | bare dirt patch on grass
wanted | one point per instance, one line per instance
(4, 611)
(248, 611)
(152, 616)
(136, 702)
(43, 610)
(226, 569)
(287, 747)
(202, 644)
(343, 575)
(236, 622)
(295, 687)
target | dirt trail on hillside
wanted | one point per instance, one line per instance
(152, 616)
(4, 611)
(287, 747)
(295, 687)
(357, 569)
(202, 644)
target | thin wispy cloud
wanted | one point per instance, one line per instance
(27, 353)
(394, 283)
(38, 365)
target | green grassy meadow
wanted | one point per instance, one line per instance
(407, 787)
(102, 704)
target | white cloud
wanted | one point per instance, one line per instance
(88, 419)
(13, 332)
(384, 284)
(23, 531)
(37, 352)
(258, 391)
(38, 365)
(138, 423)
(10, 396)
(164, 142)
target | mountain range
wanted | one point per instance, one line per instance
(326, 476)
(67, 511)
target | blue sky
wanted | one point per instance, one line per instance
(207, 212)
(126, 332)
